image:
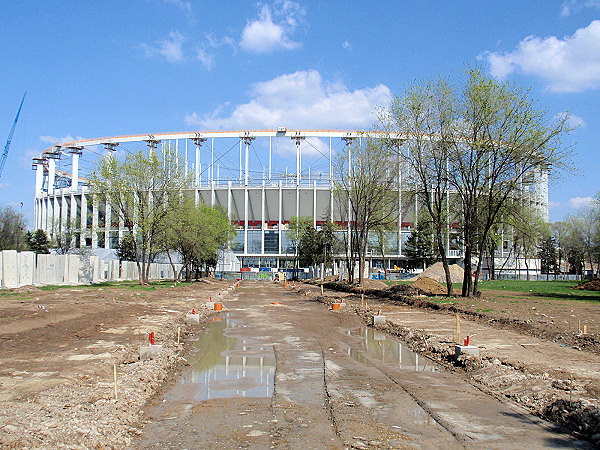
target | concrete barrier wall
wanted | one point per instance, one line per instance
(27, 268)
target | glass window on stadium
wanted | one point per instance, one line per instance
(268, 262)
(249, 262)
(113, 241)
(254, 241)
(287, 246)
(391, 243)
(237, 245)
(271, 242)
(341, 237)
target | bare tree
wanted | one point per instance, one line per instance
(12, 229)
(423, 122)
(366, 176)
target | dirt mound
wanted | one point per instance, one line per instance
(374, 285)
(429, 286)
(436, 272)
(405, 289)
(592, 285)
(330, 279)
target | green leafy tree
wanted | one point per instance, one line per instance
(126, 249)
(420, 247)
(197, 233)
(64, 236)
(141, 188)
(12, 229)
(296, 229)
(494, 142)
(38, 241)
(548, 254)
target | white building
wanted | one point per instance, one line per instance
(260, 178)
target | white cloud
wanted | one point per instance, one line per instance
(184, 6)
(571, 6)
(347, 46)
(263, 35)
(573, 121)
(311, 146)
(59, 140)
(207, 59)
(571, 64)
(299, 100)
(554, 205)
(580, 202)
(170, 48)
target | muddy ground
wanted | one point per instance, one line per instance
(59, 348)
(533, 349)
(58, 352)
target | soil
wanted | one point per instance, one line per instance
(60, 347)
(436, 272)
(59, 350)
(533, 349)
(429, 286)
(592, 285)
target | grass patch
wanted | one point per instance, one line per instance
(395, 282)
(552, 290)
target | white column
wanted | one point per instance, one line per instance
(186, 158)
(51, 174)
(262, 220)
(212, 159)
(198, 181)
(39, 178)
(83, 225)
(314, 204)
(74, 171)
(240, 161)
(280, 216)
(298, 163)
(330, 165)
(229, 199)
(247, 162)
(270, 156)
(94, 222)
(246, 220)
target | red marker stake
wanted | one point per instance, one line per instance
(151, 338)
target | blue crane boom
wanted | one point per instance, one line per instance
(10, 135)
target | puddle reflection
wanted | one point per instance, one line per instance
(387, 349)
(226, 365)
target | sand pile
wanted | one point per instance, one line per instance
(429, 286)
(436, 272)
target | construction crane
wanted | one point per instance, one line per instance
(10, 135)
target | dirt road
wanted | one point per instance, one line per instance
(276, 369)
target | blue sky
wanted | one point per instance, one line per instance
(96, 69)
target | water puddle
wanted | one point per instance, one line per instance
(226, 363)
(385, 348)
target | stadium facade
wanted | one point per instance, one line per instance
(262, 179)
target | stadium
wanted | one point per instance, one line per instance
(262, 179)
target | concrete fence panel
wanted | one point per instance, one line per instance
(10, 273)
(26, 266)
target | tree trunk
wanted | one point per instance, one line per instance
(467, 280)
(442, 253)
(175, 274)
